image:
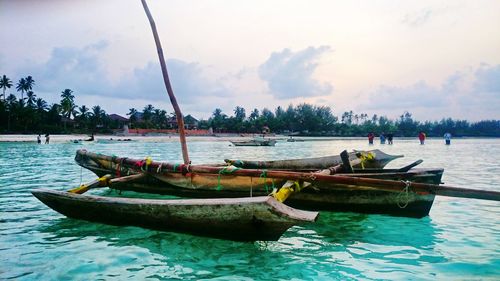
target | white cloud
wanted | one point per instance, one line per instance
(419, 94)
(488, 80)
(417, 18)
(81, 70)
(470, 94)
(290, 75)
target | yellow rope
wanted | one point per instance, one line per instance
(365, 157)
(283, 193)
(103, 181)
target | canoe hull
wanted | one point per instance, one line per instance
(317, 163)
(319, 196)
(239, 219)
(339, 200)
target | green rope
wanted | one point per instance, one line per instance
(224, 171)
(264, 176)
(175, 167)
(113, 158)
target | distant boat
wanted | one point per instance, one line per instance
(81, 141)
(294, 140)
(257, 141)
(111, 140)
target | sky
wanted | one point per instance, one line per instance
(435, 59)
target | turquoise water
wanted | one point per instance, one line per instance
(459, 240)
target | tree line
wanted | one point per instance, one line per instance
(312, 120)
(31, 114)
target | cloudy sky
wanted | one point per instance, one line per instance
(433, 58)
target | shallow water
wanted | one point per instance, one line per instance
(459, 240)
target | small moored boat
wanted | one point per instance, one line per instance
(257, 141)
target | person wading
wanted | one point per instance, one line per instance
(421, 137)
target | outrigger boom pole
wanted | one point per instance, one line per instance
(173, 100)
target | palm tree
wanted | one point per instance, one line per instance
(83, 115)
(68, 103)
(147, 112)
(11, 99)
(10, 106)
(21, 87)
(31, 99)
(133, 118)
(84, 111)
(41, 104)
(68, 108)
(67, 94)
(5, 83)
(160, 118)
(254, 115)
(98, 115)
(239, 113)
(131, 112)
(29, 83)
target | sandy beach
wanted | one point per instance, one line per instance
(153, 138)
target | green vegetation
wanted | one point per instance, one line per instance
(311, 120)
(32, 114)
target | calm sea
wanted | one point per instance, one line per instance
(460, 240)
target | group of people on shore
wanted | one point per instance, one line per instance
(39, 139)
(421, 137)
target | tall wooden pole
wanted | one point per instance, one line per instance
(173, 100)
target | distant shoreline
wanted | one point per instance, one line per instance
(31, 138)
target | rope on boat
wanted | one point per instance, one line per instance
(175, 167)
(81, 175)
(148, 162)
(225, 171)
(264, 176)
(365, 157)
(404, 195)
(183, 168)
(113, 158)
(285, 191)
(102, 181)
(119, 167)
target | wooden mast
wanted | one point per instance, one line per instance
(173, 100)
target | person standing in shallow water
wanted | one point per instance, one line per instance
(389, 138)
(421, 137)
(371, 136)
(39, 139)
(447, 138)
(47, 138)
(382, 138)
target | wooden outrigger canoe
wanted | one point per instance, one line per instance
(240, 219)
(164, 178)
(374, 159)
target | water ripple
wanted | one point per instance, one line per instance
(459, 240)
